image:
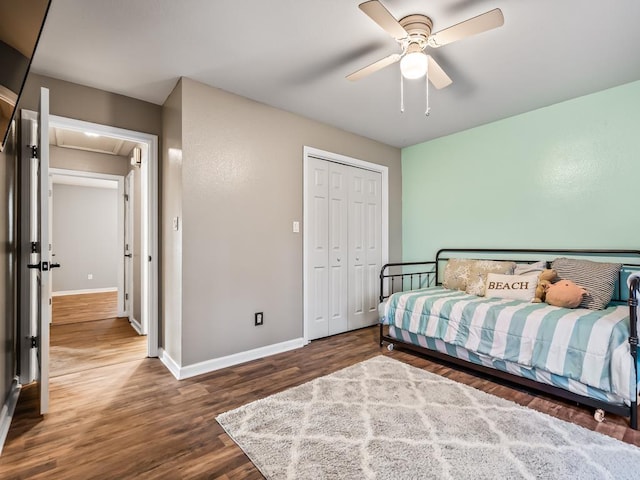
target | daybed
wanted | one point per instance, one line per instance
(586, 355)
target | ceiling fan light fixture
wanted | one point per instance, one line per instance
(414, 65)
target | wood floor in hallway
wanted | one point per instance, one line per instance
(135, 420)
(77, 347)
(84, 307)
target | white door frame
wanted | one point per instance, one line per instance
(85, 179)
(128, 240)
(384, 224)
(149, 214)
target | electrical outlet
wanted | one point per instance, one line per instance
(90, 276)
(259, 318)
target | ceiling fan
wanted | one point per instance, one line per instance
(413, 34)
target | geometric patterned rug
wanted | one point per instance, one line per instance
(383, 419)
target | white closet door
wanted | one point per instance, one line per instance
(357, 253)
(365, 252)
(338, 248)
(317, 255)
(373, 245)
(344, 253)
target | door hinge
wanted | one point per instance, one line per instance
(126, 296)
(34, 342)
(126, 197)
(34, 151)
(35, 247)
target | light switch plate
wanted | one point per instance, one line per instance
(296, 227)
(176, 223)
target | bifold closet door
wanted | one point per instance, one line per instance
(344, 254)
(317, 230)
(338, 247)
(365, 252)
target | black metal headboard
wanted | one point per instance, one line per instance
(413, 275)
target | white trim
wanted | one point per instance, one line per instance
(64, 293)
(384, 223)
(223, 362)
(84, 182)
(149, 215)
(136, 325)
(127, 305)
(169, 362)
(81, 174)
(6, 414)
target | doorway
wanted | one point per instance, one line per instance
(89, 329)
(92, 323)
(144, 256)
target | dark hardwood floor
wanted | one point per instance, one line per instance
(134, 420)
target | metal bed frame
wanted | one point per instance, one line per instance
(396, 277)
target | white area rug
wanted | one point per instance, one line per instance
(384, 419)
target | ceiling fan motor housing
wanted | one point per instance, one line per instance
(418, 27)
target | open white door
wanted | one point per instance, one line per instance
(39, 259)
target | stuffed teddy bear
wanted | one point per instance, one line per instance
(565, 294)
(546, 277)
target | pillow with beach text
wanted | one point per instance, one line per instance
(515, 287)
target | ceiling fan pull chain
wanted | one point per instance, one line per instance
(426, 79)
(401, 93)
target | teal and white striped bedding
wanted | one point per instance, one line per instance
(581, 350)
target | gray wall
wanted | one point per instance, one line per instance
(71, 159)
(85, 237)
(241, 181)
(171, 274)
(8, 280)
(71, 100)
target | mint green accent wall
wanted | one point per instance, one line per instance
(564, 176)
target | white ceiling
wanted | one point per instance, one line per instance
(294, 54)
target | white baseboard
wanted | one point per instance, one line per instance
(223, 362)
(6, 414)
(63, 293)
(136, 325)
(169, 362)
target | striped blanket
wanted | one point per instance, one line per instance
(584, 345)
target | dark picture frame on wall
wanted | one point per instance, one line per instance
(21, 24)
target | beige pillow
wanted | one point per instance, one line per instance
(456, 273)
(479, 271)
(516, 287)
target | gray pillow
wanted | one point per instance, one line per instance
(598, 278)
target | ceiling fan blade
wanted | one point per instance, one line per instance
(374, 67)
(438, 78)
(379, 14)
(473, 26)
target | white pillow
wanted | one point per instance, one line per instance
(515, 287)
(525, 268)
